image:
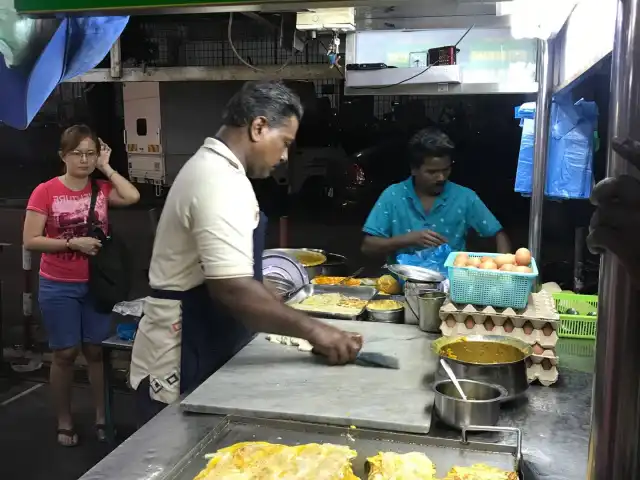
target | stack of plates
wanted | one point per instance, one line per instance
(283, 271)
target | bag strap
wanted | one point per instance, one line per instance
(91, 218)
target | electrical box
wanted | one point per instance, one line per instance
(142, 132)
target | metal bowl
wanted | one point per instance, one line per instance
(386, 316)
(482, 408)
(335, 266)
(415, 274)
(512, 375)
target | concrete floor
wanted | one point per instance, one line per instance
(28, 433)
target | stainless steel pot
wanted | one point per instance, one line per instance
(335, 266)
(510, 375)
(386, 316)
(481, 408)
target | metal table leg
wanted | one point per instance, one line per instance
(108, 395)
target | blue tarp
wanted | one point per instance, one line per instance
(78, 45)
(571, 148)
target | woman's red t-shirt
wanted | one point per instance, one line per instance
(67, 214)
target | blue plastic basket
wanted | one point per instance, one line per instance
(489, 287)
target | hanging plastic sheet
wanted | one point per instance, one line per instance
(570, 163)
(17, 34)
(524, 174)
(571, 148)
(78, 45)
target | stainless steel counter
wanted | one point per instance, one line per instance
(554, 421)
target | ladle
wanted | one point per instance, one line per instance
(453, 378)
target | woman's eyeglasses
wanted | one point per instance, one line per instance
(85, 155)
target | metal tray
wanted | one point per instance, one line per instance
(445, 453)
(364, 293)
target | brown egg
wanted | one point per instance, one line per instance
(547, 329)
(527, 328)
(451, 321)
(469, 323)
(473, 262)
(511, 257)
(537, 349)
(507, 267)
(508, 326)
(523, 257)
(460, 262)
(546, 364)
(486, 259)
(488, 265)
(501, 260)
(462, 256)
(489, 325)
(522, 269)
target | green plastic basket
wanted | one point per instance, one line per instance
(580, 325)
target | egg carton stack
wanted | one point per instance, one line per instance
(537, 325)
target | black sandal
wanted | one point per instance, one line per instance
(69, 434)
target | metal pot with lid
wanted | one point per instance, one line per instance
(417, 280)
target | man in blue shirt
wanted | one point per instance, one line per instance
(427, 210)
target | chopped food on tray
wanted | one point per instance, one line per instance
(323, 280)
(334, 303)
(396, 466)
(384, 305)
(262, 460)
(480, 471)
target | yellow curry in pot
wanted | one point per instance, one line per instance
(482, 353)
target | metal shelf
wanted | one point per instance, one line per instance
(211, 74)
(446, 89)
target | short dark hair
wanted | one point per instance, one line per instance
(429, 143)
(269, 99)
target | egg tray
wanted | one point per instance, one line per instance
(544, 377)
(539, 311)
(536, 336)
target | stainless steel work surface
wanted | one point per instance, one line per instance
(367, 443)
(363, 293)
(270, 380)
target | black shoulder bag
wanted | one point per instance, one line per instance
(110, 269)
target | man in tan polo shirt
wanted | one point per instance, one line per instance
(206, 269)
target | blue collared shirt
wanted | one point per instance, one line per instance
(457, 209)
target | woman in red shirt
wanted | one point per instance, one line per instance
(56, 225)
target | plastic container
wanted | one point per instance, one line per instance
(581, 324)
(489, 287)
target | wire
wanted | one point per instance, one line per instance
(382, 87)
(252, 67)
